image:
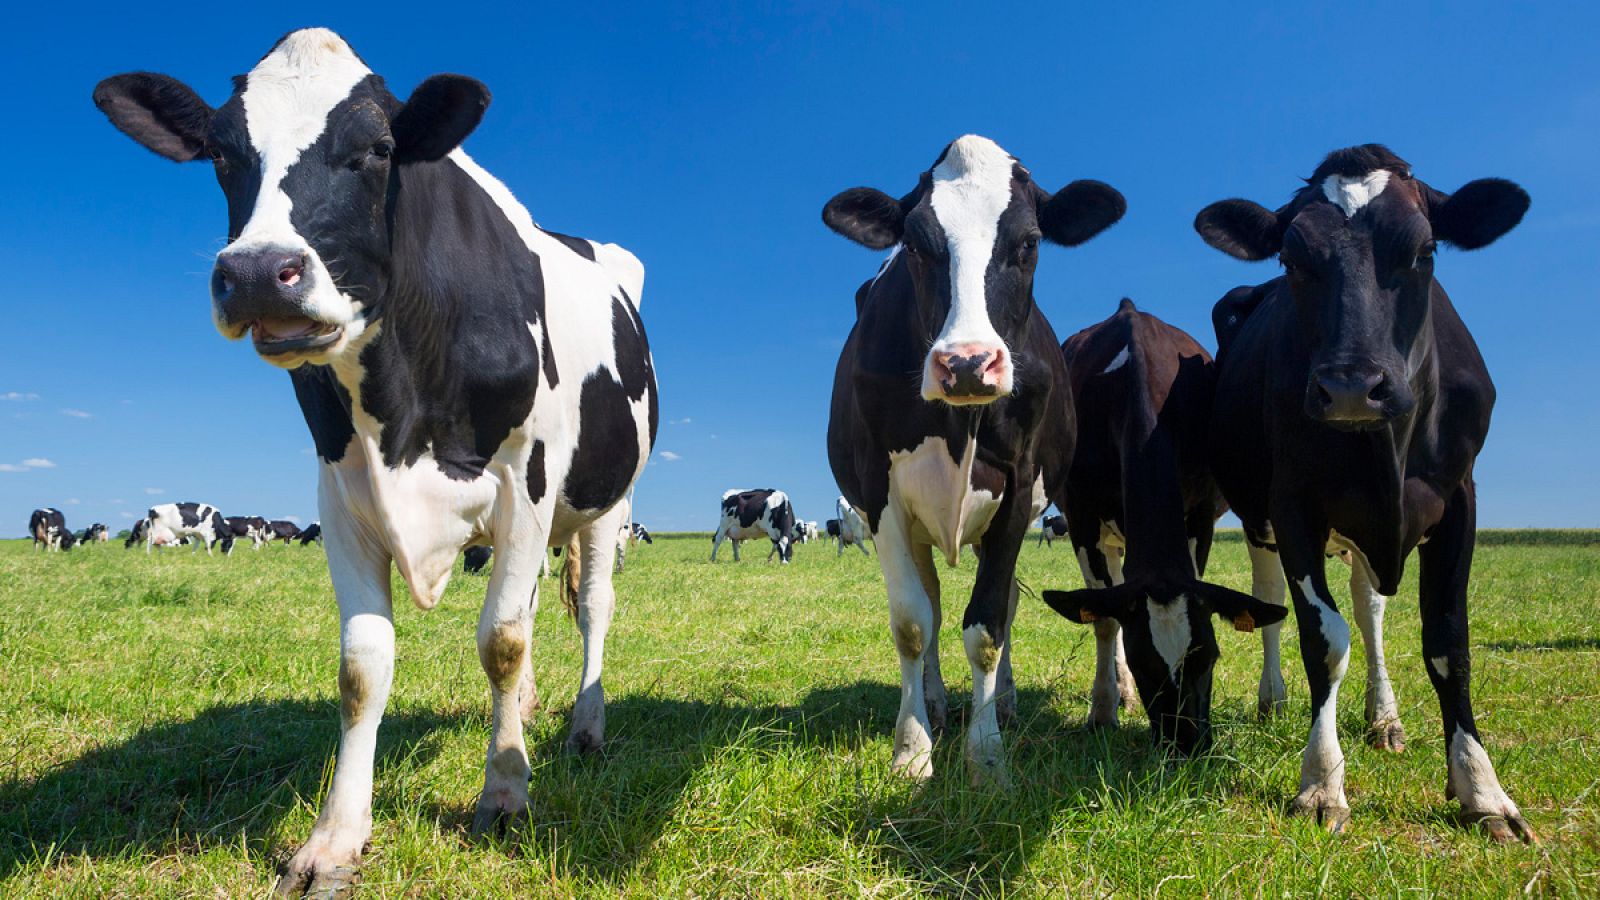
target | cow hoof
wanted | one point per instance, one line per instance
(330, 883)
(1005, 709)
(1270, 708)
(584, 743)
(988, 774)
(938, 715)
(492, 814)
(913, 765)
(1103, 717)
(1389, 736)
(1332, 815)
(1503, 828)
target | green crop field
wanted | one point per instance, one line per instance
(167, 725)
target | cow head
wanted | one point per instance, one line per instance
(969, 234)
(1357, 246)
(1171, 647)
(307, 151)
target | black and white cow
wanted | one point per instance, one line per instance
(200, 522)
(98, 533)
(749, 515)
(1351, 406)
(1141, 485)
(313, 532)
(1052, 529)
(951, 420)
(849, 530)
(466, 375)
(48, 528)
(249, 528)
(640, 533)
(282, 530)
(805, 532)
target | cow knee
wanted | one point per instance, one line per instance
(502, 651)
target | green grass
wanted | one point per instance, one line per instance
(167, 725)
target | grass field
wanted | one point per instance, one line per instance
(167, 726)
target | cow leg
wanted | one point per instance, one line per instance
(1384, 731)
(983, 631)
(1113, 683)
(505, 628)
(933, 692)
(716, 542)
(1446, 567)
(1006, 684)
(1268, 586)
(1325, 651)
(862, 546)
(327, 863)
(914, 627)
(596, 601)
(736, 543)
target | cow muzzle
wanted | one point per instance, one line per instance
(267, 291)
(1355, 397)
(968, 374)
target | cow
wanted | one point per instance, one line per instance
(475, 558)
(1052, 529)
(1351, 405)
(1140, 485)
(805, 532)
(750, 515)
(159, 536)
(951, 423)
(641, 533)
(313, 532)
(199, 521)
(466, 376)
(251, 528)
(282, 530)
(848, 529)
(48, 528)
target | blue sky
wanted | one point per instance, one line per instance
(706, 137)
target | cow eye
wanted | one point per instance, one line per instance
(383, 148)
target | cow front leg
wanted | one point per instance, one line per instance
(1384, 731)
(1113, 683)
(1267, 584)
(984, 633)
(597, 601)
(1325, 651)
(914, 628)
(1446, 567)
(716, 543)
(328, 863)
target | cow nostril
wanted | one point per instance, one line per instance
(290, 275)
(1325, 398)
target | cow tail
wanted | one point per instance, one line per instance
(571, 576)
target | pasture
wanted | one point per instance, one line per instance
(167, 725)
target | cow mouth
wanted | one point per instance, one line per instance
(279, 335)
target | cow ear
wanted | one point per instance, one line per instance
(867, 216)
(1080, 211)
(1090, 604)
(1478, 214)
(1243, 611)
(1241, 229)
(437, 117)
(158, 111)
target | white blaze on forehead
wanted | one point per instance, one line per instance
(1353, 192)
(1169, 631)
(287, 98)
(971, 189)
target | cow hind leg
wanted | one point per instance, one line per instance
(937, 700)
(596, 602)
(1006, 683)
(1384, 731)
(1267, 585)
(328, 863)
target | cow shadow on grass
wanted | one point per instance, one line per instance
(236, 770)
(233, 769)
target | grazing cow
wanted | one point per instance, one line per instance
(48, 528)
(640, 533)
(848, 529)
(159, 537)
(1052, 529)
(251, 528)
(1351, 406)
(282, 530)
(805, 532)
(199, 521)
(466, 375)
(1140, 484)
(749, 515)
(475, 558)
(313, 532)
(951, 420)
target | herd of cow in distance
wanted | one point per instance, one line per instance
(471, 378)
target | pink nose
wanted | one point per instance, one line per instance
(970, 370)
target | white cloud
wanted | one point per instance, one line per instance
(153, 491)
(76, 413)
(72, 501)
(18, 396)
(669, 456)
(683, 421)
(9, 467)
(294, 519)
(38, 463)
